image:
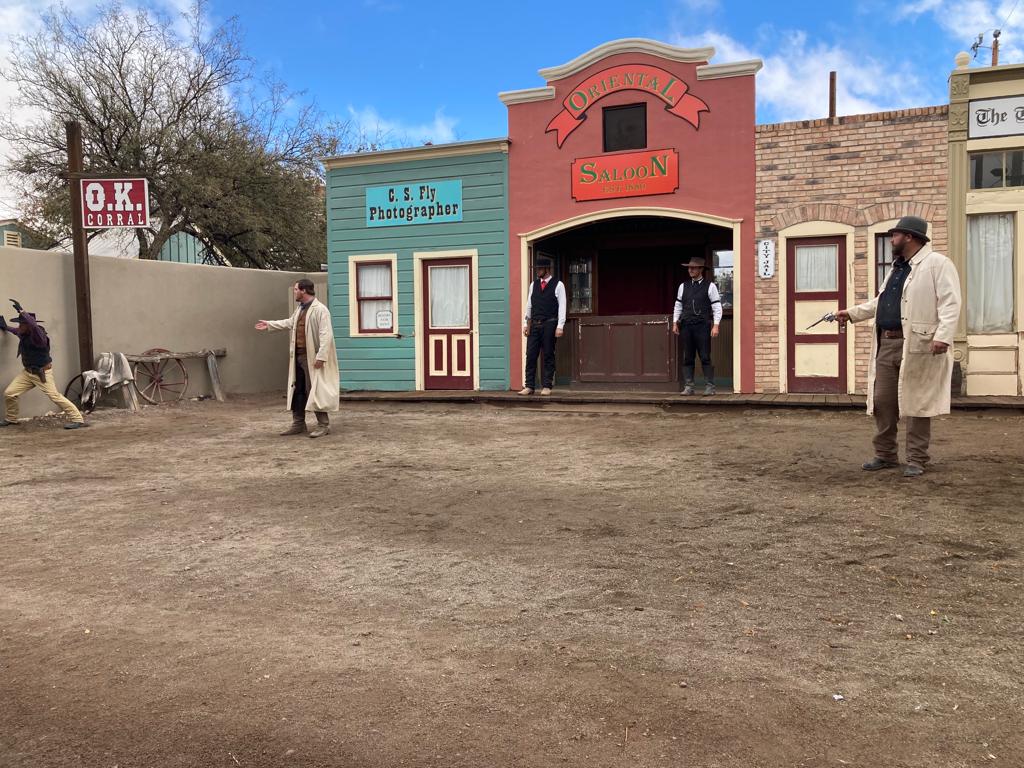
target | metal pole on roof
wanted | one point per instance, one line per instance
(832, 95)
(995, 47)
(80, 248)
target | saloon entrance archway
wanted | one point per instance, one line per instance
(621, 272)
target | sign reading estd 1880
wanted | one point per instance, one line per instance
(113, 203)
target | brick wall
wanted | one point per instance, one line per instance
(858, 171)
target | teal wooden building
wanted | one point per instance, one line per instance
(417, 244)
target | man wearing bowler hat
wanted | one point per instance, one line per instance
(34, 351)
(543, 322)
(915, 313)
(696, 316)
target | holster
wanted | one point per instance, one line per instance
(40, 372)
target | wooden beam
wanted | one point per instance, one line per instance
(80, 247)
(218, 390)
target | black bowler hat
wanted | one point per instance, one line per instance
(912, 225)
(696, 261)
(543, 261)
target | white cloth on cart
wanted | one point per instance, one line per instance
(112, 370)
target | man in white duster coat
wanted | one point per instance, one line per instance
(311, 387)
(916, 314)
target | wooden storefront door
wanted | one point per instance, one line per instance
(815, 285)
(448, 324)
(630, 349)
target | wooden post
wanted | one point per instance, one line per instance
(211, 364)
(995, 48)
(80, 246)
(832, 95)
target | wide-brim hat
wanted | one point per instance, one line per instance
(543, 261)
(912, 225)
(696, 261)
(17, 320)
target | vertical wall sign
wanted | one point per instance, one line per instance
(766, 259)
(628, 77)
(426, 202)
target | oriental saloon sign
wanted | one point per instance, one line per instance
(651, 172)
(628, 77)
(115, 203)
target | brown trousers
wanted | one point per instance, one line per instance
(887, 409)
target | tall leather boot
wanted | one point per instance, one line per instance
(688, 379)
(323, 425)
(709, 379)
(298, 426)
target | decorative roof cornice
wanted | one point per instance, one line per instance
(528, 94)
(627, 45)
(455, 149)
(733, 69)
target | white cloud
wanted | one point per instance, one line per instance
(793, 85)
(964, 20)
(369, 122)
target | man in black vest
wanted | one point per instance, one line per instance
(698, 310)
(543, 322)
(34, 351)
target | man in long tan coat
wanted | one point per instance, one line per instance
(310, 387)
(915, 313)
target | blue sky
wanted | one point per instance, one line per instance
(431, 70)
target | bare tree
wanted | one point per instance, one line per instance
(229, 158)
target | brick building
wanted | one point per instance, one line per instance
(635, 157)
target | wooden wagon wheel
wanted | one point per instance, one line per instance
(161, 382)
(73, 392)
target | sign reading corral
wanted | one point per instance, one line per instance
(115, 203)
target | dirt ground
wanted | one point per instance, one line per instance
(483, 586)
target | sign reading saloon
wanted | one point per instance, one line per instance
(996, 117)
(651, 172)
(115, 203)
(429, 202)
(629, 77)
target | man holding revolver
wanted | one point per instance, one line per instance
(916, 314)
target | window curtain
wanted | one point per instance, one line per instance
(990, 273)
(373, 280)
(816, 268)
(449, 297)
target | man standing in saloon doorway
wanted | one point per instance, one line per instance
(543, 322)
(696, 316)
(915, 313)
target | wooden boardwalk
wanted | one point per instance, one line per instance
(663, 399)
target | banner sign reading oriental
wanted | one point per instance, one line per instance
(427, 202)
(651, 172)
(996, 117)
(115, 203)
(628, 77)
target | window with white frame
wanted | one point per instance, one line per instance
(990, 273)
(883, 259)
(375, 296)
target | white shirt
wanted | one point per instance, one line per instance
(559, 294)
(713, 296)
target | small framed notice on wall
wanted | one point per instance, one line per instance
(766, 259)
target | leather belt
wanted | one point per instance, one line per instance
(887, 334)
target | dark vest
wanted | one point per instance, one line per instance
(544, 304)
(696, 303)
(33, 357)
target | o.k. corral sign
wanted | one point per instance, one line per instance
(114, 203)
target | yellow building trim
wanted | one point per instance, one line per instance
(799, 231)
(353, 295)
(527, 239)
(418, 259)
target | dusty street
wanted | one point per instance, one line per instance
(475, 586)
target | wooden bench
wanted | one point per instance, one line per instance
(210, 355)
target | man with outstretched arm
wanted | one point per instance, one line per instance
(313, 379)
(34, 351)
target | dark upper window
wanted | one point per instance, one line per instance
(995, 170)
(625, 127)
(883, 259)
